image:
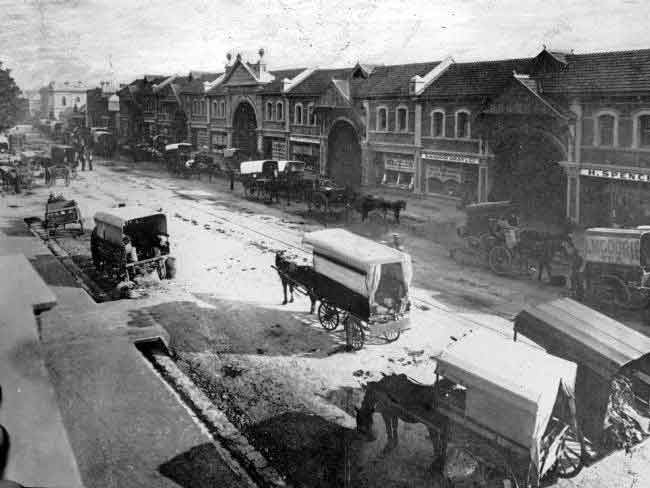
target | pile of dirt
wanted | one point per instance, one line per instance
(625, 425)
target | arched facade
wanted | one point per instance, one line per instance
(244, 127)
(344, 161)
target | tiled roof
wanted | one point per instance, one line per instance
(391, 80)
(275, 86)
(318, 81)
(623, 71)
(194, 87)
(482, 78)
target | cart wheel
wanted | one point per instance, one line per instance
(328, 316)
(570, 456)
(500, 260)
(162, 270)
(356, 335)
(392, 334)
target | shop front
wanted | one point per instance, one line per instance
(275, 148)
(450, 175)
(199, 138)
(395, 170)
(308, 151)
(614, 197)
(218, 141)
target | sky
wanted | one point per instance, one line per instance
(91, 40)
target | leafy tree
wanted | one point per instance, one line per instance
(9, 95)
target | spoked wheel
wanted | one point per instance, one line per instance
(355, 334)
(500, 260)
(328, 316)
(391, 334)
(571, 455)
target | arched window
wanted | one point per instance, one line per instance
(297, 116)
(279, 110)
(382, 119)
(269, 110)
(222, 108)
(311, 115)
(63, 101)
(438, 123)
(401, 119)
(463, 130)
(606, 128)
(641, 129)
(203, 107)
(215, 108)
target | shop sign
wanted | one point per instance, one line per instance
(614, 250)
(615, 174)
(402, 165)
(444, 173)
(305, 140)
(279, 150)
(454, 158)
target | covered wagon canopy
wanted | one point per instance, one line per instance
(110, 224)
(251, 167)
(290, 166)
(511, 387)
(178, 145)
(581, 334)
(357, 262)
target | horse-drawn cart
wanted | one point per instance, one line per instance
(360, 283)
(60, 212)
(126, 241)
(63, 164)
(259, 178)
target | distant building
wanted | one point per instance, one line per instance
(34, 102)
(59, 96)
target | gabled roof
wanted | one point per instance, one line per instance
(482, 78)
(318, 80)
(390, 81)
(621, 71)
(194, 87)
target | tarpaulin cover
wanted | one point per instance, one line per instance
(110, 223)
(581, 334)
(250, 167)
(511, 387)
(355, 261)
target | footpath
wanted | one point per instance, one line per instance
(81, 404)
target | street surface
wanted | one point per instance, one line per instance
(280, 377)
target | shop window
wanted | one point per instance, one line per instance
(438, 123)
(279, 110)
(462, 124)
(644, 130)
(297, 115)
(390, 177)
(401, 119)
(606, 130)
(382, 119)
(269, 110)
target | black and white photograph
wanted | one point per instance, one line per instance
(342, 244)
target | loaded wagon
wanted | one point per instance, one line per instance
(511, 412)
(617, 266)
(177, 157)
(360, 283)
(259, 178)
(601, 347)
(60, 212)
(129, 240)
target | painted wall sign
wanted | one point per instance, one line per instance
(279, 150)
(615, 250)
(615, 174)
(403, 165)
(454, 158)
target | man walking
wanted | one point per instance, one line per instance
(82, 157)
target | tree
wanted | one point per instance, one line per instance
(9, 99)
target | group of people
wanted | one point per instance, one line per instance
(84, 154)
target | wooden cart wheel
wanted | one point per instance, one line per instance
(571, 455)
(391, 334)
(356, 335)
(328, 316)
(500, 260)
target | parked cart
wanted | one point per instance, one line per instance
(260, 178)
(60, 212)
(359, 283)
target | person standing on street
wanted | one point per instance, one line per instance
(232, 179)
(82, 156)
(89, 157)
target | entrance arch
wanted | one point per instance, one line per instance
(344, 154)
(527, 172)
(244, 129)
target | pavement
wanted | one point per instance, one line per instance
(81, 404)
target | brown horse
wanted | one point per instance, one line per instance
(370, 203)
(397, 398)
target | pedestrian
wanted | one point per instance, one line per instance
(232, 179)
(577, 263)
(89, 157)
(82, 158)
(545, 258)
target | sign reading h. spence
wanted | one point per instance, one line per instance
(623, 250)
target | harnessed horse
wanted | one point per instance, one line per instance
(291, 272)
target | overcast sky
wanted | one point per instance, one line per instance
(44, 40)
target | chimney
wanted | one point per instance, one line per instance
(261, 63)
(228, 59)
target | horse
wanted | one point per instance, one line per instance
(397, 398)
(370, 203)
(542, 246)
(300, 274)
